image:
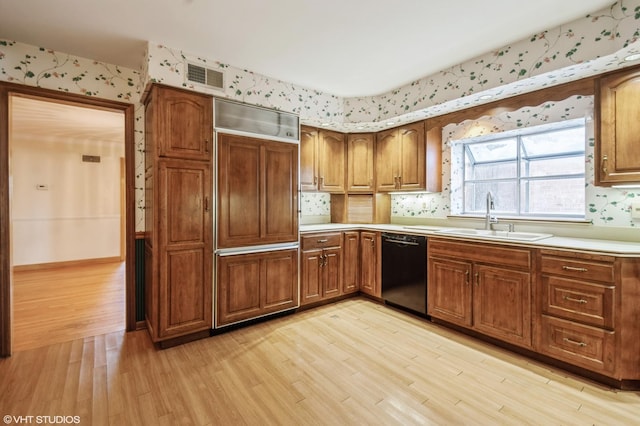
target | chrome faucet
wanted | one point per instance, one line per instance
(488, 219)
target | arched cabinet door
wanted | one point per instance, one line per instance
(618, 128)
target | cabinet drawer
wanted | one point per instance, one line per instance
(582, 345)
(589, 303)
(583, 269)
(310, 242)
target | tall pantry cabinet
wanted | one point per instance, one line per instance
(178, 213)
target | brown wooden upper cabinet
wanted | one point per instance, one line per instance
(360, 162)
(185, 124)
(401, 158)
(618, 128)
(322, 160)
(263, 176)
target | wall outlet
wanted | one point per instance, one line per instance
(635, 210)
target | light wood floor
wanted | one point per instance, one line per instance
(353, 362)
(66, 303)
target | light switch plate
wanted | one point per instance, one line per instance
(635, 210)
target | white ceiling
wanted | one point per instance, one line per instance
(48, 121)
(342, 47)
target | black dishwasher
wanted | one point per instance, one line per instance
(404, 271)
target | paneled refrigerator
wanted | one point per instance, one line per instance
(257, 209)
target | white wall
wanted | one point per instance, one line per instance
(78, 216)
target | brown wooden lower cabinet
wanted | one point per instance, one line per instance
(321, 267)
(484, 287)
(252, 285)
(578, 308)
(589, 305)
(338, 264)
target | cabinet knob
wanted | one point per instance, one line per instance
(324, 240)
(605, 159)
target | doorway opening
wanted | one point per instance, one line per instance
(67, 198)
(66, 221)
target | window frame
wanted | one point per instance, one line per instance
(519, 179)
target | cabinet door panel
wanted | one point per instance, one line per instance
(617, 147)
(502, 304)
(184, 293)
(449, 291)
(387, 172)
(332, 272)
(257, 191)
(411, 140)
(351, 270)
(311, 280)
(360, 174)
(280, 280)
(370, 264)
(187, 120)
(280, 195)
(238, 288)
(185, 247)
(183, 210)
(332, 157)
(238, 191)
(308, 159)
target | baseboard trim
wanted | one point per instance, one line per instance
(66, 264)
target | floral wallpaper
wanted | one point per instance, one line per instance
(315, 204)
(37, 66)
(605, 206)
(584, 47)
(167, 65)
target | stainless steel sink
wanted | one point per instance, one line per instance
(495, 235)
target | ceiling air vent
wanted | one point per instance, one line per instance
(205, 76)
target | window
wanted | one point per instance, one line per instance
(534, 172)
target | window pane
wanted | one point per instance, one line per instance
(553, 197)
(492, 171)
(553, 166)
(554, 143)
(505, 194)
(498, 150)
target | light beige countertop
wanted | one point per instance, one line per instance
(607, 247)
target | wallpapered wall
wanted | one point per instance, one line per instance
(557, 55)
(605, 206)
(584, 47)
(537, 61)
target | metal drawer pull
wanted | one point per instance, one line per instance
(573, 342)
(322, 241)
(573, 299)
(571, 268)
